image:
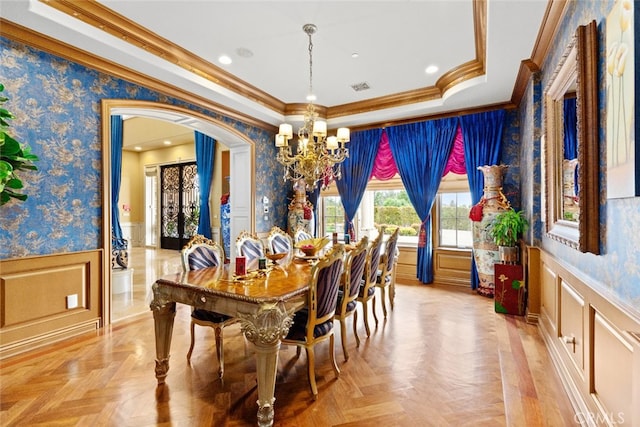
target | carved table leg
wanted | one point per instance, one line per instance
(265, 329)
(163, 316)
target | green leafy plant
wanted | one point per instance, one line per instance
(13, 157)
(507, 227)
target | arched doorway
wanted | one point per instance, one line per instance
(241, 184)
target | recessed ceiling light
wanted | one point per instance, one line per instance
(355, 55)
(167, 143)
(137, 148)
(224, 59)
(431, 69)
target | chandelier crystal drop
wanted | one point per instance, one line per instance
(316, 157)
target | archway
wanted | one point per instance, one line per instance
(242, 153)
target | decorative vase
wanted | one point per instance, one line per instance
(300, 210)
(485, 251)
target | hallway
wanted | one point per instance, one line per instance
(147, 265)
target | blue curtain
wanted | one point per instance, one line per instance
(356, 170)
(482, 137)
(421, 151)
(205, 156)
(116, 171)
(570, 129)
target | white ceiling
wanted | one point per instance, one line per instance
(395, 40)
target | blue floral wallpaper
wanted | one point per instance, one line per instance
(616, 273)
(510, 156)
(57, 107)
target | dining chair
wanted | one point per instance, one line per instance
(354, 267)
(385, 276)
(201, 252)
(314, 323)
(367, 290)
(278, 242)
(251, 247)
(301, 234)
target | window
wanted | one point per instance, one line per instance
(393, 209)
(332, 215)
(387, 203)
(454, 226)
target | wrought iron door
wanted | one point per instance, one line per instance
(180, 199)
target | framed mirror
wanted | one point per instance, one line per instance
(572, 196)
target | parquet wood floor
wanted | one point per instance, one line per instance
(442, 358)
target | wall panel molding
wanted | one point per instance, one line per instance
(34, 305)
(598, 368)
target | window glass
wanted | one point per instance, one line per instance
(454, 223)
(332, 215)
(393, 209)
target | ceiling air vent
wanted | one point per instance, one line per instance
(359, 87)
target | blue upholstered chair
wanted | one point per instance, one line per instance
(251, 247)
(385, 276)
(199, 253)
(368, 285)
(314, 323)
(353, 273)
(280, 242)
(301, 234)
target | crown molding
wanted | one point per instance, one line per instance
(556, 9)
(55, 47)
(95, 14)
(448, 80)
(105, 19)
(553, 15)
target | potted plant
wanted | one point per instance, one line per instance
(13, 157)
(506, 229)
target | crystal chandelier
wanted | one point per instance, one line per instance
(316, 157)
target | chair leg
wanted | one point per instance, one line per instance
(219, 351)
(355, 327)
(382, 298)
(311, 371)
(193, 330)
(332, 354)
(343, 336)
(392, 287)
(373, 308)
(365, 311)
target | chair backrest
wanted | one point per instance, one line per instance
(390, 250)
(279, 241)
(301, 234)
(373, 259)
(354, 268)
(249, 246)
(323, 292)
(201, 252)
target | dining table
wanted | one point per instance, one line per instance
(263, 300)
